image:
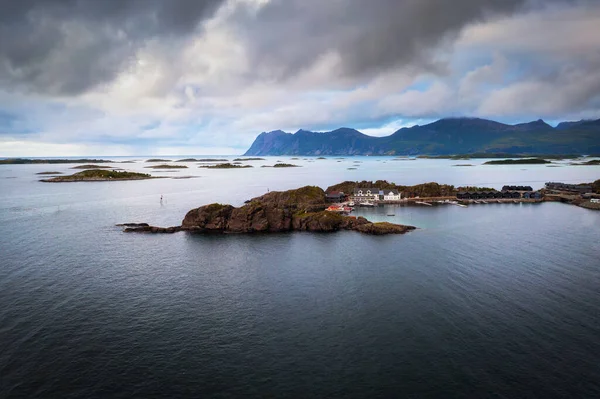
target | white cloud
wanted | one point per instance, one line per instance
(203, 92)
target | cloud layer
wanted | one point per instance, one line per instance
(149, 76)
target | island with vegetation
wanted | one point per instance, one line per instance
(523, 161)
(49, 173)
(166, 166)
(91, 166)
(158, 160)
(424, 190)
(27, 161)
(99, 175)
(225, 166)
(281, 165)
(201, 160)
(249, 159)
(302, 209)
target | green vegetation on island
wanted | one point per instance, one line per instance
(285, 165)
(225, 166)
(201, 160)
(524, 161)
(91, 167)
(420, 190)
(249, 159)
(158, 160)
(25, 161)
(100, 175)
(166, 166)
(49, 173)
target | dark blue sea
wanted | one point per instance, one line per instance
(489, 301)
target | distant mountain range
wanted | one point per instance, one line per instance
(444, 137)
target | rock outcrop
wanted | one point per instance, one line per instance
(294, 210)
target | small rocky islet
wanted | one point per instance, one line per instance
(302, 209)
(166, 166)
(94, 175)
(225, 166)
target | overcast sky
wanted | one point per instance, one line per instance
(127, 77)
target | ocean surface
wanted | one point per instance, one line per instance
(489, 301)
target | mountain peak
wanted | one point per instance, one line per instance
(458, 135)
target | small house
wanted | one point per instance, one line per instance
(391, 195)
(335, 196)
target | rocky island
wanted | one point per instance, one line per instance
(91, 166)
(166, 166)
(302, 209)
(99, 175)
(281, 165)
(525, 161)
(158, 160)
(225, 166)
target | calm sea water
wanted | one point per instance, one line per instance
(485, 301)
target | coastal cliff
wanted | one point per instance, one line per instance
(302, 209)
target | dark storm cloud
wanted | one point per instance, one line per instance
(287, 36)
(69, 46)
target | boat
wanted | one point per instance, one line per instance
(367, 203)
(391, 214)
(351, 204)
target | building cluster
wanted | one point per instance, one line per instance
(504, 194)
(517, 188)
(336, 196)
(370, 194)
(573, 188)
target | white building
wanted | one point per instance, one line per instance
(365, 194)
(595, 201)
(390, 195)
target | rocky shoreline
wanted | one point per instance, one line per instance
(302, 209)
